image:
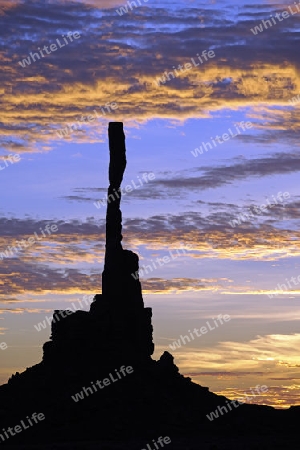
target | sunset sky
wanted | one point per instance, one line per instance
(55, 177)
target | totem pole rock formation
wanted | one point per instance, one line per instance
(118, 325)
(121, 292)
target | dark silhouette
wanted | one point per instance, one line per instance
(118, 325)
(98, 383)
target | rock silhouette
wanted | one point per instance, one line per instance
(135, 405)
(118, 326)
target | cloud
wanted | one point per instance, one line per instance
(76, 250)
(175, 285)
(209, 177)
(264, 357)
(56, 90)
(22, 310)
(102, 4)
(221, 374)
(261, 352)
(276, 396)
(212, 177)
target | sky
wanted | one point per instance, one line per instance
(210, 99)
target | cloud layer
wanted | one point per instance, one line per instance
(119, 58)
